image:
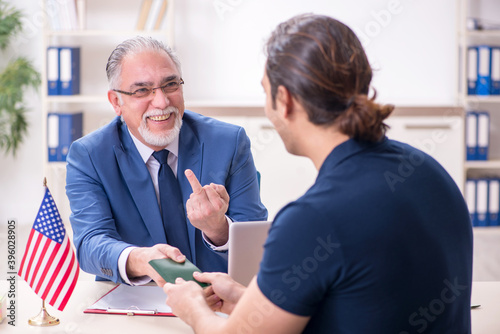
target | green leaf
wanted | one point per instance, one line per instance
(10, 24)
(17, 76)
(14, 80)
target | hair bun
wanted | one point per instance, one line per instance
(364, 118)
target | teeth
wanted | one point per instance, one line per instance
(160, 117)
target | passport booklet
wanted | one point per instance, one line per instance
(169, 270)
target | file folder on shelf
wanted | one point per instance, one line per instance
(470, 198)
(483, 70)
(69, 69)
(483, 135)
(154, 12)
(495, 71)
(493, 201)
(472, 70)
(53, 82)
(471, 135)
(62, 130)
(144, 13)
(482, 202)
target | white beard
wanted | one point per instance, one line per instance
(163, 139)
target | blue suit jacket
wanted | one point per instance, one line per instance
(114, 204)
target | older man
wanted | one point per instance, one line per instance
(126, 183)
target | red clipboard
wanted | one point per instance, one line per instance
(123, 299)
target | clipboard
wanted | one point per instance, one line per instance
(128, 300)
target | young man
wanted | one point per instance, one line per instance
(358, 252)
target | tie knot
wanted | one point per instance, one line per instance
(161, 156)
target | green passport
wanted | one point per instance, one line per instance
(169, 270)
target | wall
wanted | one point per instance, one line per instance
(21, 176)
(410, 43)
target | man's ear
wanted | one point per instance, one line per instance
(115, 102)
(284, 101)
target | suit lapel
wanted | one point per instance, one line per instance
(138, 180)
(190, 157)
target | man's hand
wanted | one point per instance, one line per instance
(223, 294)
(189, 301)
(206, 209)
(138, 261)
(185, 299)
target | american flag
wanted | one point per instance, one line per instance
(49, 264)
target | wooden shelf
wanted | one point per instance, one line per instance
(83, 33)
(479, 165)
(482, 98)
(224, 103)
(77, 98)
(483, 33)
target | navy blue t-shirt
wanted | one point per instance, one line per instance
(381, 243)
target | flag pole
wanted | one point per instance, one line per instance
(43, 318)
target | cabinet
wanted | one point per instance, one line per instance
(437, 131)
(482, 13)
(107, 23)
(284, 177)
(479, 26)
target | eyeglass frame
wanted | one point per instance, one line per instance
(151, 90)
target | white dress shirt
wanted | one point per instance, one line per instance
(153, 167)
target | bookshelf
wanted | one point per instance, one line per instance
(483, 10)
(471, 13)
(96, 39)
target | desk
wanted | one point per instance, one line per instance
(485, 320)
(74, 321)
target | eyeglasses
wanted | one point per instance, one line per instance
(167, 88)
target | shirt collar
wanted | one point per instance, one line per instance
(347, 149)
(146, 152)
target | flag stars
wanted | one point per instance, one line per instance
(48, 221)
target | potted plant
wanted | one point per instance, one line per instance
(18, 75)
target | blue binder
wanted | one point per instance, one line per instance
(472, 70)
(470, 198)
(483, 135)
(483, 70)
(482, 202)
(493, 201)
(69, 69)
(471, 135)
(53, 82)
(62, 130)
(495, 71)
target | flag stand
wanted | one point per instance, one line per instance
(43, 318)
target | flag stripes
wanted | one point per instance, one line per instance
(49, 264)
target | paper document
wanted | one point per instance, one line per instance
(132, 300)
